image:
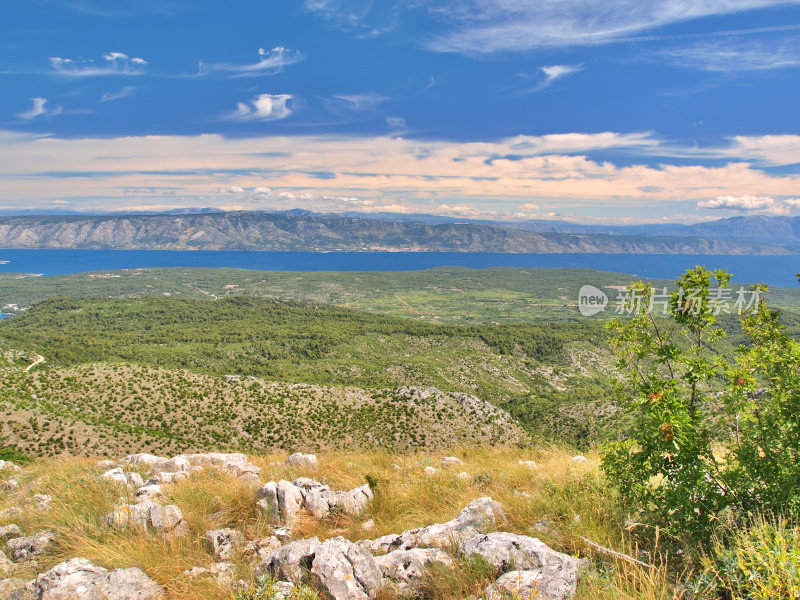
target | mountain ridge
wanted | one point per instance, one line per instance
(303, 232)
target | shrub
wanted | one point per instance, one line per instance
(269, 588)
(755, 563)
(672, 468)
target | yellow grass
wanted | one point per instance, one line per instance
(570, 495)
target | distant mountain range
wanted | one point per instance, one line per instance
(301, 231)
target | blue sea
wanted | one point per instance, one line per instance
(772, 270)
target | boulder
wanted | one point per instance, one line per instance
(345, 571)
(557, 572)
(166, 520)
(23, 548)
(106, 464)
(290, 501)
(479, 515)
(5, 564)
(9, 485)
(223, 572)
(579, 458)
(142, 460)
(8, 532)
(404, 568)
(531, 464)
(117, 475)
(42, 502)
(79, 579)
(9, 466)
(281, 502)
(303, 461)
(11, 513)
(449, 461)
(289, 562)
(223, 543)
(149, 493)
(12, 589)
(430, 471)
(261, 547)
(525, 585)
(167, 477)
(267, 501)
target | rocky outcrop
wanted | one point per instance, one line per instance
(282, 501)
(7, 465)
(224, 543)
(345, 571)
(165, 520)
(291, 561)
(79, 579)
(403, 569)
(556, 574)
(479, 515)
(8, 532)
(177, 468)
(304, 461)
(117, 475)
(223, 572)
(524, 585)
(24, 548)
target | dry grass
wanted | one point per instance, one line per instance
(570, 496)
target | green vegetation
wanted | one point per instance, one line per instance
(448, 294)
(760, 560)
(113, 410)
(707, 489)
(531, 370)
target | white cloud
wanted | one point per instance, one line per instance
(270, 62)
(128, 90)
(749, 203)
(554, 72)
(265, 107)
(262, 191)
(115, 63)
(361, 102)
(234, 189)
(508, 176)
(39, 109)
(732, 55)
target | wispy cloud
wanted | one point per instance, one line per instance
(546, 76)
(128, 90)
(39, 109)
(366, 102)
(265, 107)
(728, 56)
(114, 63)
(490, 26)
(270, 62)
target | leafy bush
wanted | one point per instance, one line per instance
(758, 562)
(672, 467)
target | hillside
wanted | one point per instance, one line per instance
(262, 231)
(553, 378)
(113, 410)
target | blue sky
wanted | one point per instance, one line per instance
(621, 111)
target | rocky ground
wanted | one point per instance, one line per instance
(215, 525)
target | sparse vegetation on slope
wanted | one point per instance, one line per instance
(103, 409)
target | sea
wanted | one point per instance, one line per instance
(773, 270)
